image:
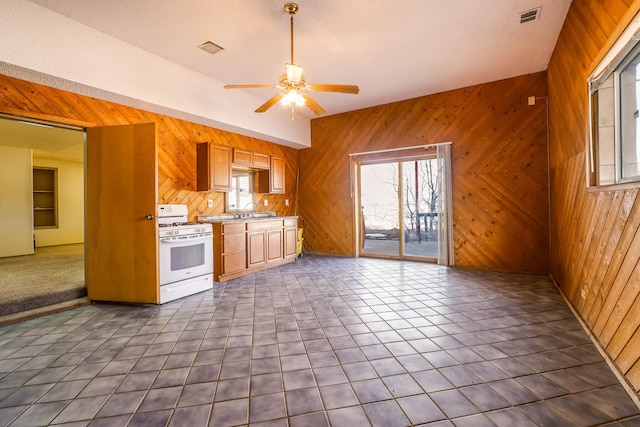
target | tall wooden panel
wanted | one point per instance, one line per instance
(499, 154)
(122, 233)
(595, 244)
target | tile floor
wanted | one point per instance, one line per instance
(323, 341)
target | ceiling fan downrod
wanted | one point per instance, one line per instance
(291, 9)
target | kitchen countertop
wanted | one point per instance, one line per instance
(232, 218)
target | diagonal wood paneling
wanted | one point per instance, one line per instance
(177, 141)
(499, 170)
(595, 243)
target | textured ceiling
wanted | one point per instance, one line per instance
(50, 143)
(392, 49)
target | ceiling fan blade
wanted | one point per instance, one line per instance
(334, 88)
(250, 86)
(313, 104)
(264, 107)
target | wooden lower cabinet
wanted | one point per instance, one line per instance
(255, 248)
(291, 239)
(274, 245)
(244, 247)
(234, 249)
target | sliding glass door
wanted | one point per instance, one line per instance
(419, 197)
(380, 205)
(404, 207)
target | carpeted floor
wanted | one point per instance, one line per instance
(52, 275)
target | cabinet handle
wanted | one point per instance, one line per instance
(148, 217)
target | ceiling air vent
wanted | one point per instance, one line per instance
(530, 15)
(210, 47)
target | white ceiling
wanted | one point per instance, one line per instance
(50, 143)
(392, 49)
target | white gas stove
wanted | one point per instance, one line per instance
(173, 221)
(186, 254)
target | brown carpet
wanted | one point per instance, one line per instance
(52, 275)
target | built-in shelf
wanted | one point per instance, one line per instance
(45, 197)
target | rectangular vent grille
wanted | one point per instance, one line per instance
(210, 47)
(530, 15)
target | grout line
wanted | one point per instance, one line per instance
(612, 365)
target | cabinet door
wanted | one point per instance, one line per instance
(234, 253)
(276, 179)
(260, 160)
(241, 157)
(290, 242)
(274, 245)
(213, 167)
(255, 248)
(122, 195)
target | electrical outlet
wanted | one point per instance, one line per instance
(210, 203)
(286, 202)
(266, 202)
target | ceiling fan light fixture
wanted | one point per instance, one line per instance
(293, 84)
(293, 98)
(294, 73)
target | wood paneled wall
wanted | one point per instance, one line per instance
(595, 244)
(499, 154)
(177, 141)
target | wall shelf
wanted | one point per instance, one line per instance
(45, 197)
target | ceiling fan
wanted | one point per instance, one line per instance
(294, 83)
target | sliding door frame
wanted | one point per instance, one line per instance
(397, 156)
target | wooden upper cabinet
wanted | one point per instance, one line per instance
(276, 179)
(241, 157)
(272, 180)
(249, 159)
(261, 160)
(213, 167)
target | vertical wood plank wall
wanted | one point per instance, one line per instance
(595, 244)
(177, 141)
(499, 155)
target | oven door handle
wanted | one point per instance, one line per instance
(204, 237)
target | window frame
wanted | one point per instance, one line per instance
(622, 48)
(236, 174)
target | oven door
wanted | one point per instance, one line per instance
(185, 257)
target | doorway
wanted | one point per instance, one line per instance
(404, 205)
(43, 261)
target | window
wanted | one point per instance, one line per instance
(241, 194)
(614, 103)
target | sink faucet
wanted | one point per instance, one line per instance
(255, 205)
